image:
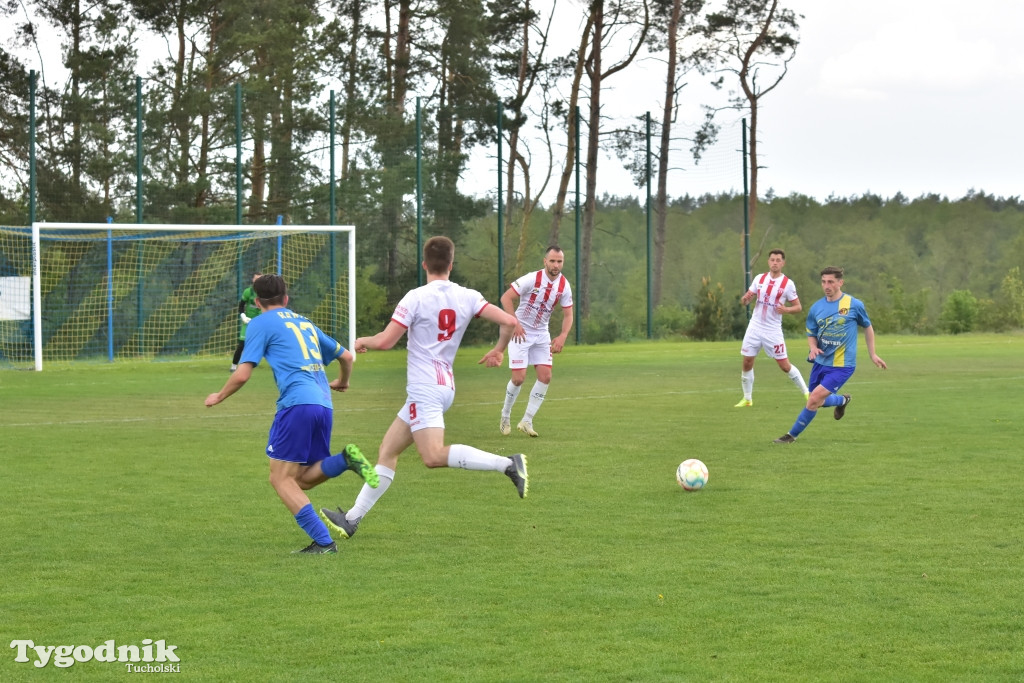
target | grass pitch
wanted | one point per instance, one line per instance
(887, 546)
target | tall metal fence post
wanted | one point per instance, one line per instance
(37, 303)
(746, 215)
(421, 276)
(238, 159)
(650, 243)
(238, 183)
(501, 210)
(138, 150)
(579, 228)
(139, 192)
(332, 200)
(330, 220)
(32, 149)
(110, 291)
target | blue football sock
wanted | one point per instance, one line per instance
(802, 420)
(334, 465)
(834, 400)
(312, 525)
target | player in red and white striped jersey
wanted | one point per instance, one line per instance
(775, 295)
(539, 293)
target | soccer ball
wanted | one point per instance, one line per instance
(692, 474)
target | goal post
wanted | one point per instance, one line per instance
(85, 291)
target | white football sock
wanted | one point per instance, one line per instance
(747, 382)
(468, 458)
(537, 394)
(511, 394)
(368, 497)
(797, 379)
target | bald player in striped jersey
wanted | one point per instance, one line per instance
(775, 295)
(539, 293)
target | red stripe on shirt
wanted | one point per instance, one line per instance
(536, 286)
(782, 288)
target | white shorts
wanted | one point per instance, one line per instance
(536, 350)
(425, 405)
(770, 340)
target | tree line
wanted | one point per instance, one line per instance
(431, 71)
(923, 266)
(416, 86)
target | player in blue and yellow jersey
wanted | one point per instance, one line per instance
(832, 324)
(300, 437)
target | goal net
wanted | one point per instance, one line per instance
(75, 291)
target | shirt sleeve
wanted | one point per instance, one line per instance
(255, 343)
(330, 348)
(812, 323)
(517, 285)
(405, 311)
(862, 314)
(479, 303)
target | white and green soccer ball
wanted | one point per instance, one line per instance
(692, 474)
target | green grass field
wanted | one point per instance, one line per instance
(887, 546)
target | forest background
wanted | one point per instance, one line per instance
(354, 112)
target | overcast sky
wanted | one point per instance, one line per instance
(884, 96)
(912, 96)
(887, 96)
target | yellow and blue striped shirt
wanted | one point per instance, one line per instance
(834, 324)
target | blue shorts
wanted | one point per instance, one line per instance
(829, 377)
(301, 434)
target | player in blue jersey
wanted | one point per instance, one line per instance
(300, 436)
(832, 324)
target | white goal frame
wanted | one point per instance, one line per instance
(37, 322)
